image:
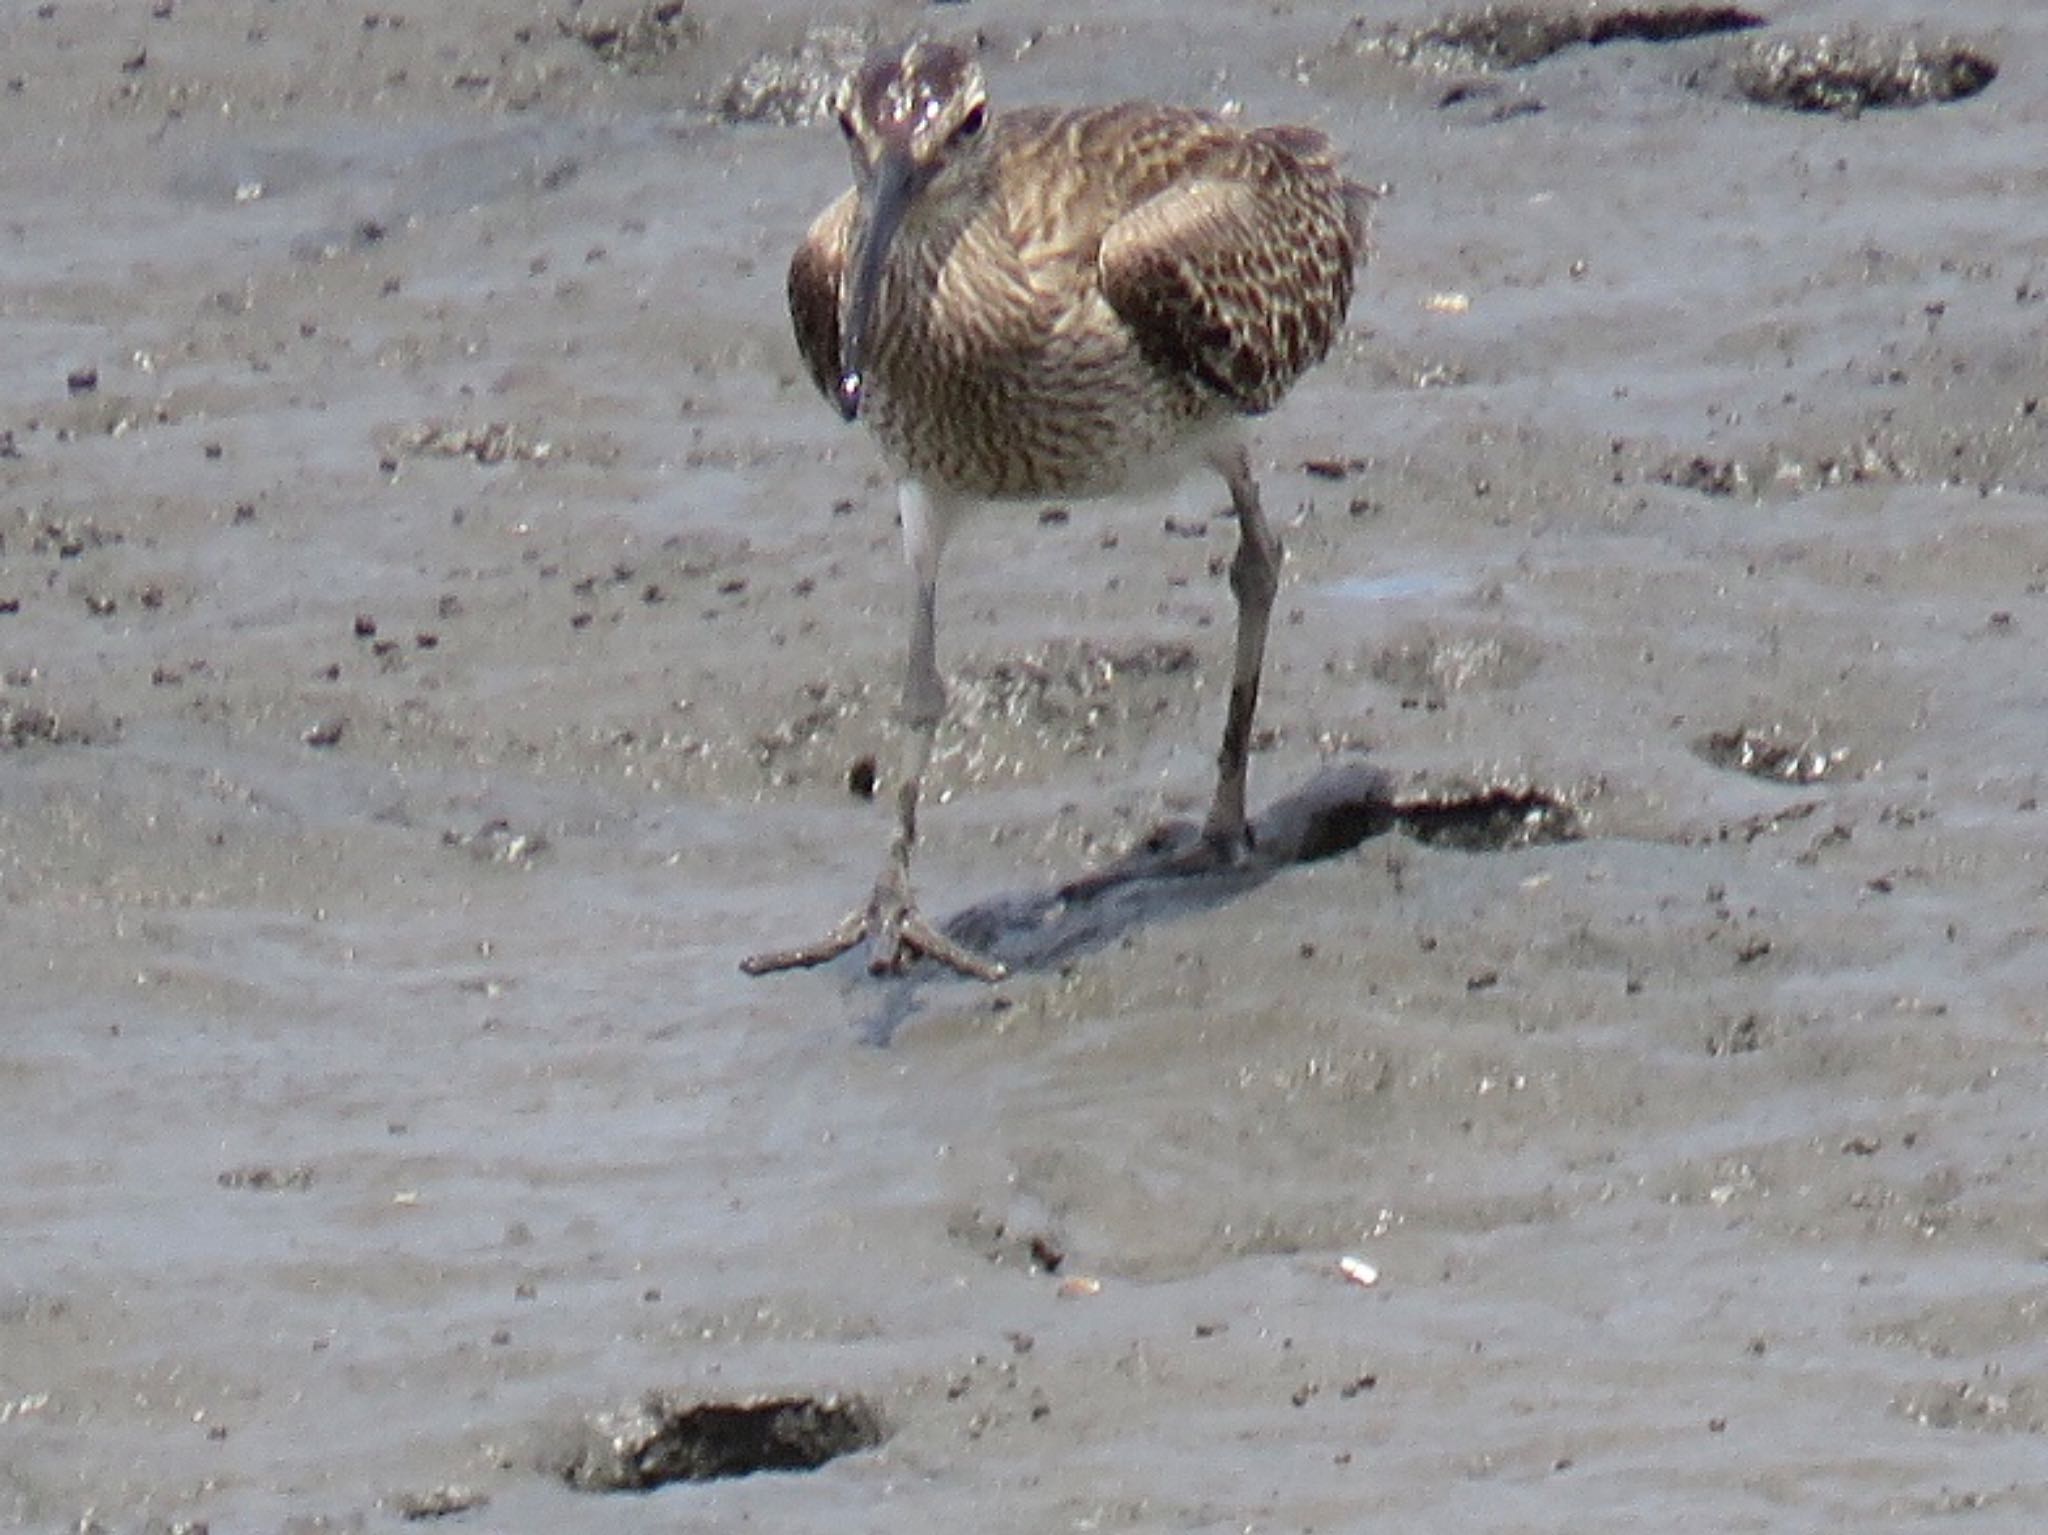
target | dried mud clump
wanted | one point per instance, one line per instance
(635, 39)
(1427, 667)
(790, 751)
(1746, 1035)
(437, 1502)
(1873, 461)
(1515, 37)
(1005, 1244)
(263, 1179)
(1771, 754)
(2002, 1406)
(1709, 476)
(495, 442)
(64, 535)
(794, 87)
(664, 1439)
(1067, 689)
(23, 725)
(1850, 73)
(498, 842)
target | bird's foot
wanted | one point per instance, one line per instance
(1172, 850)
(896, 932)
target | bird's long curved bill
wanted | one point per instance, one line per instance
(887, 199)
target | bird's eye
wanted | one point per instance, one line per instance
(970, 125)
(846, 125)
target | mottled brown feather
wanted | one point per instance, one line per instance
(1124, 275)
(1240, 276)
(814, 273)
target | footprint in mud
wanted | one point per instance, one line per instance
(664, 1438)
(1516, 37)
(1847, 72)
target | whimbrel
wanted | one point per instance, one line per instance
(1052, 304)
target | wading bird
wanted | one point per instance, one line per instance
(1060, 304)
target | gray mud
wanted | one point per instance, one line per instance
(441, 632)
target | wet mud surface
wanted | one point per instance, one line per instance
(441, 632)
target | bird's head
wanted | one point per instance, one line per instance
(916, 123)
(922, 106)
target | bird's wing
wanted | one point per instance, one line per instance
(1240, 276)
(814, 273)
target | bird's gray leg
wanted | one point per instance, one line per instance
(1226, 833)
(900, 931)
(1254, 579)
(891, 920)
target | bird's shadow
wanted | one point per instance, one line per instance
(1039, 930)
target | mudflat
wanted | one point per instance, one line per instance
(442, 631)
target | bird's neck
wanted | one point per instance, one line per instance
(956, 278)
